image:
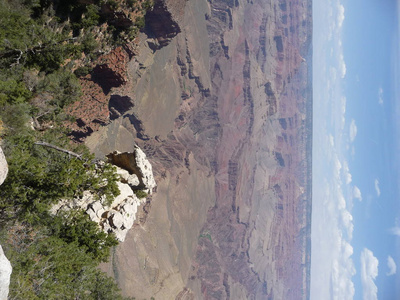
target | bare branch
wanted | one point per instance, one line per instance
(79, 156)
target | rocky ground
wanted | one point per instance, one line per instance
(220, 101)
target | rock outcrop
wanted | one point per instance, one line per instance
(160, 25)
(135, 174)
(135, 163)
(3, 166)
(117, 217)
(5, 265)
(5, 273)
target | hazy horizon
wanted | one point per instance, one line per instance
(355, 218)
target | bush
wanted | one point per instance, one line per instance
(82, 71)
(13, 91)
(140, 194)
(76, 227)
(46, 267)
(140, 22)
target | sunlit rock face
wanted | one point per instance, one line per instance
(5, 265)
(3, 166)
(135, 163)
(5, 273)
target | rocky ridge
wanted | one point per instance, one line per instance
(135, 173)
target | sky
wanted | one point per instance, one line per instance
(356, 150)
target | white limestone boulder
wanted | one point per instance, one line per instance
(130, 179)
(3, 166)
(5, 274)
(136, 163)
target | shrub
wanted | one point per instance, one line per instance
(140, 194)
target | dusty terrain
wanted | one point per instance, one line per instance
(222, 107)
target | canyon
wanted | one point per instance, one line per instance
(218, 95)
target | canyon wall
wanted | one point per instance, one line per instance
(221, 103)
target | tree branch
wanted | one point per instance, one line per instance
(59, 149)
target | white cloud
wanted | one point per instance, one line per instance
(346, 172)
(380, 96)
(342, 66)
(347, 221)
(343, 101)
(353, 130)
(369, 271)
(395, 231)
(391, 265)
(332, 267)
(340, 16)
(377, 189)
(357, 193)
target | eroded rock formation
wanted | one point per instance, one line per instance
(226, 110)
(160, 25)
(135, 163)
(135, 174)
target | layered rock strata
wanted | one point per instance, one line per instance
(225, 118)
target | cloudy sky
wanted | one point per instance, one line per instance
(356, 161)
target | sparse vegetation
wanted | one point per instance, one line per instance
(205, 235)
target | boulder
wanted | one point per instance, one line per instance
(135, 163)
(120, 218)
(125, 192)
(5, 273)
(131, 179)
(3, 166)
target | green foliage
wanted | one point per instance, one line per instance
(113, 4)
(132, 3)
(139, 22)
(76, 227)
(92, 16)
(89, 44)
(206, 235)
(12, 91)
(140, 194)
(14, 118)
(39, 176)
(147, 4)
(63, 86)
(82, 71)
(46, 267)
(58, 254)
(53, 257)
